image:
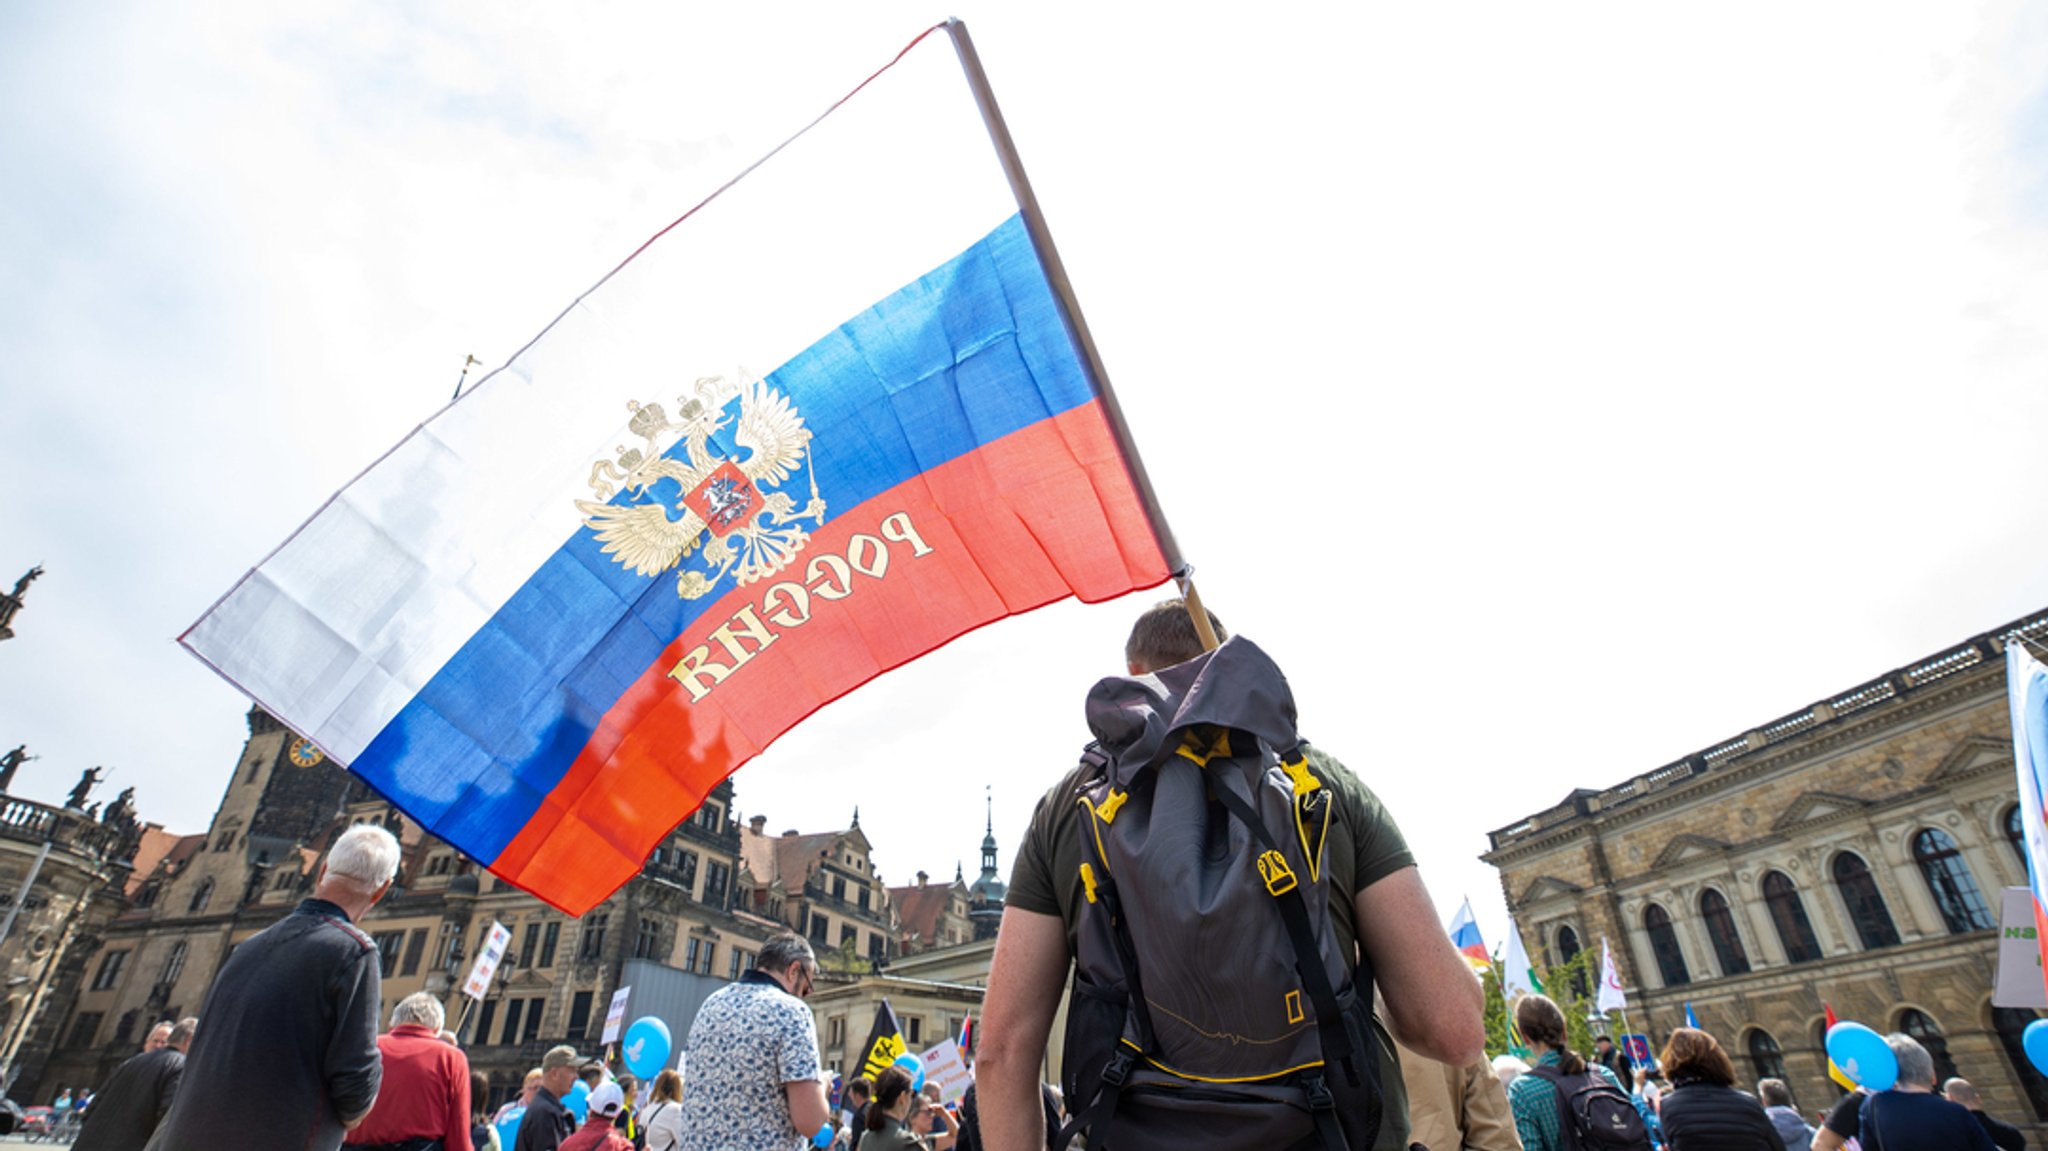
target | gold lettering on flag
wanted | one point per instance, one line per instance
(787, 605)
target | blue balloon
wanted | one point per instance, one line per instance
(646, 1046)
(578, 1101)
(2035, 1040)
(1863, 1055)
(508, 1128)
(913, 1067)
(823, 1138)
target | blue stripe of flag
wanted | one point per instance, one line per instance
(965, 355)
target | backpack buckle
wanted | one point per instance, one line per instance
(1274, 870)
(1320, 1097)
(1118, 1071)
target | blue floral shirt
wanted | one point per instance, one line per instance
(749, 1039)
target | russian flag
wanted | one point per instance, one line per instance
(2026, 682)
(1465, 937)
(557, 614)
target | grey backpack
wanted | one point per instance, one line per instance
(1210, 1006)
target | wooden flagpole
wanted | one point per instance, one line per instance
(1077, 327)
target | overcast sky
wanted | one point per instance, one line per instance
(1554, 392)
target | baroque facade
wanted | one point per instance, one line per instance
(1848, 855)
(129, 925)
(194, 898)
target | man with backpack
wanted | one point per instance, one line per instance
(1203, 857)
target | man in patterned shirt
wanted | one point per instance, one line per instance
(753, 1057)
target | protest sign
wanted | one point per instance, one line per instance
(944, 1066)
(487, 960)
(2019, 982)
(615, 1019)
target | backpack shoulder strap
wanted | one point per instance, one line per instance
(1308, 956)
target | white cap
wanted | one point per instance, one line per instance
(607, 1099)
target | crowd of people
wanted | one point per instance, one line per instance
(289, 1054)
(1687, 1099)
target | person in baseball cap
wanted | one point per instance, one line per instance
(607, 1100)
(547, 1122)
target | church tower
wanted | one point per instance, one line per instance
(985, 898)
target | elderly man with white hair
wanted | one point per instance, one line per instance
(1907, 1116)
(424, 1103)
(288, 1056)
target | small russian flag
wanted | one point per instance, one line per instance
(1465, 937)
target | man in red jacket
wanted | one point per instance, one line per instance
(425, 1098)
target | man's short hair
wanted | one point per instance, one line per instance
(1165, 635)
(784, 948)
(183, 1030)
(1774, 1092)
(860, 1086)
(422, 1008)
(591, 1073)
(563, 1056)
(1916, 1066)
(366, 854)
(1960, 1090)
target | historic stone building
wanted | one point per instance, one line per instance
(105, 948)
(1849, 854)
(61, 874)
(823, 885)
(931, 915)
(194, 898)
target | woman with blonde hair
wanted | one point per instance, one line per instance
(662, 1118)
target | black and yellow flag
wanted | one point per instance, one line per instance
(885, 1042)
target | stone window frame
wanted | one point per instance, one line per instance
(1868, 913)
(1723, 936)
(1665, 946)
(1790, 898)
(1950, 883)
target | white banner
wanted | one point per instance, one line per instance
(944, 1066)
(615, 1019)
(486, 966)
(1611, 997)
(2019, 982)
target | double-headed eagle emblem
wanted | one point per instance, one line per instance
(673, 497)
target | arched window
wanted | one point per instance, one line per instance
(1788, 915)
(1948, 878)
(1766, 1057)
(2011, 1025)
(201, 897)
(1923, 1029)
(1866, 905)
(1568, 950)
(2016, 835)
(174, 964)
(1721, 929)
(1664, 944)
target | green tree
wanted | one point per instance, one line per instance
(1569, 985)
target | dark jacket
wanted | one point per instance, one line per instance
(547, 1123)
(288, 1049)
(2005, 1135)
(126, 1111)
(1699, 1116)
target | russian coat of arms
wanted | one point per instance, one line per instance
(682, 486)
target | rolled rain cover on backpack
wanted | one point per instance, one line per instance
(1235, 1032)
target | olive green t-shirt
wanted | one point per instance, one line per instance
(1363, 847)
